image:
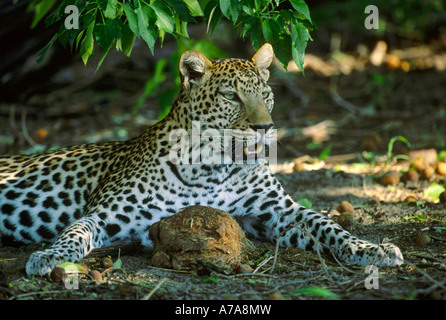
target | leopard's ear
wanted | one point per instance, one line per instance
(193, 66)
(262, 59)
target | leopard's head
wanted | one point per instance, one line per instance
(230, 94)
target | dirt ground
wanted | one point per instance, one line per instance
(381, 214)
(361, 108)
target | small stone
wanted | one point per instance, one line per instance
(427, 173)
(58, 274)
(390, 178)
(423, 240)
(96, 275)
(441, 168)
(106, 262)
(443, 197)
(410, 176)
(345, 206)
(275, 296)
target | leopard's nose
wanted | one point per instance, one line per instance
(261, 126)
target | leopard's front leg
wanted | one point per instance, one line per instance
(301, 227)
(272, 214)
(75, 242)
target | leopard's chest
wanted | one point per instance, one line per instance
(169, 188)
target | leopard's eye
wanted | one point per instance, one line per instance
(229, 95)
(265, 93)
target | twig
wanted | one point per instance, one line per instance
(294, 90)
(37, 293)
(276, 250)
(435, 282)
(422, 256)
(318, 244)
(149, 295)
(431, 288)
(262, 264)
(341, 102)
(25, 129)
(112, 250)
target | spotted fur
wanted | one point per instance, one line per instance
(94, 195)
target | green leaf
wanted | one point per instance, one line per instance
(392, 142)
(282, 50)
(68, 36)
(419, 217)
(125, 43)
(182, 10)
(104, 54)
(106, 36)
(266, 30)
(50, 19)
(256, 34)
(42, 53)
(181, 27)
(78, 38)
(194, 7)
(315, 291)
(164, 19)
(212, 13)
(118, 263)
(433, 192)
(132, 19)
(107, 33)
(110, 10)
(72, 267)
(41, 9)
(301, 7)
(87, 45)
(144, 14)
(230, 9)
(235, 10)
(325, 153)
(225, 7)
(299, 40)
(306, 203)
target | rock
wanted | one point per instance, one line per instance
(423, 240)
(196, 236)
(441, 168)
(345, 206)
(106, 262)
(442, 197)
(410, 176)
(422, 158)
(96, 275)
(58, 274)
(427, 172)
(275, 296)
(390, 178)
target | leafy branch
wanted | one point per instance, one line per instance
(115, 24)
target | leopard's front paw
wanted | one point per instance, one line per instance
(43, 262)
(366, 253)
(389, 255)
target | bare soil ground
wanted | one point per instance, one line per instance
(296, 275)
(408, 104)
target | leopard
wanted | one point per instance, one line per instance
(95, 195)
